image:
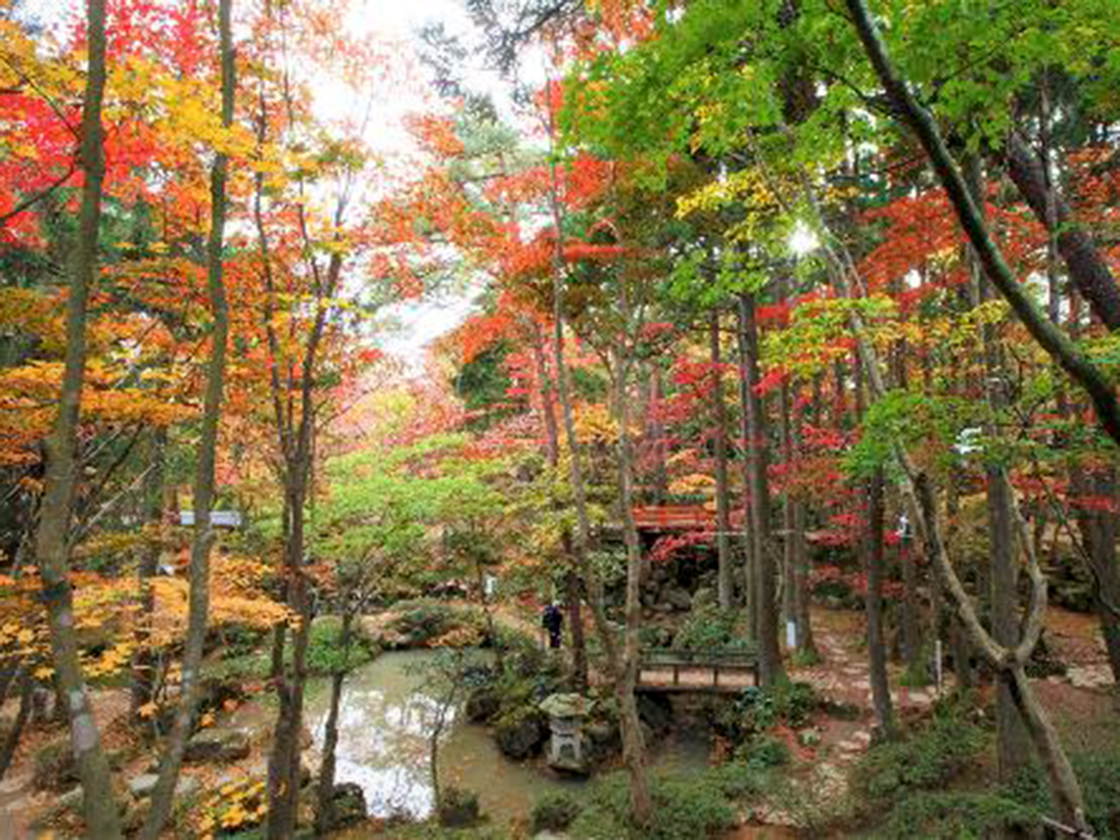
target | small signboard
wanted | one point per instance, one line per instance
(218, 518)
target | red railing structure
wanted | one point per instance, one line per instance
(674, 518)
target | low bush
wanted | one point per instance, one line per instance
(424, 621)
(958, 816)
(686, 806)
(554, 812)
(763, 752)
(1099, 775)
(925, 759)
(458, 807)
(711, 628)
(239, 669)
(758, 710)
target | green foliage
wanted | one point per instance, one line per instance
(763, 753)
(482, 383)
(423, 620)
(923, 760)
(1099, 774)
(686, 806)
(757, 710)
(964, 815)
(1098, 771)
(905, 418)
(711, 628)
(458, 807)
(326, 654)
(554, 812)
(242, 668)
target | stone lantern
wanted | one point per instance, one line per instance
(566, 716)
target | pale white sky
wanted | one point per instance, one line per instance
(397, 21)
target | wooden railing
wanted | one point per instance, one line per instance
(721, 663)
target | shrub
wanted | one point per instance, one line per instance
(424, 620)
(685, 807)
(757, 710)
(711, 628)
(458, 807)
(925, 759)
(1099, 775)
(325, 653)
(554, 812)
(763, 753)
(239, 669)
(738, 780)
(958, 816)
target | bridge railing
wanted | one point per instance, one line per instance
(720, 662)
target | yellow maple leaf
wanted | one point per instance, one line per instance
(148, 710)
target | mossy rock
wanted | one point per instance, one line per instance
(483, 705)
(521, 733)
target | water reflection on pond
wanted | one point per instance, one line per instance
(385, 722)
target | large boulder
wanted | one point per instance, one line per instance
(482, 705)
(521, 733)
(142, 786)
(217, 746)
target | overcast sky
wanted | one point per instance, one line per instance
(395, 21)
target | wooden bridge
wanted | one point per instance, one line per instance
(668, 669)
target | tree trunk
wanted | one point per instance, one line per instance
(488, 613)
(641, 803)
(876, 644)
(12, 736)
(1012, 741)
(750, 591)
(656, 433)
(203, 537)
(633, 746)
(719, 434)
(796, 557)
(766, 618)
(283, 764)
(1098, 530)
(552, 451)
(572, 595)
(52, 539)
(789, 548)
(325, 791)
(143, 664)
(1087, 269)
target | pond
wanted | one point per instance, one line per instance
(384, 724)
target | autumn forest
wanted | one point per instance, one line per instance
(590, 419)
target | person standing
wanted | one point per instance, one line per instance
(552, 621)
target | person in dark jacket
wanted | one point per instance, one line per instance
(552, 620)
